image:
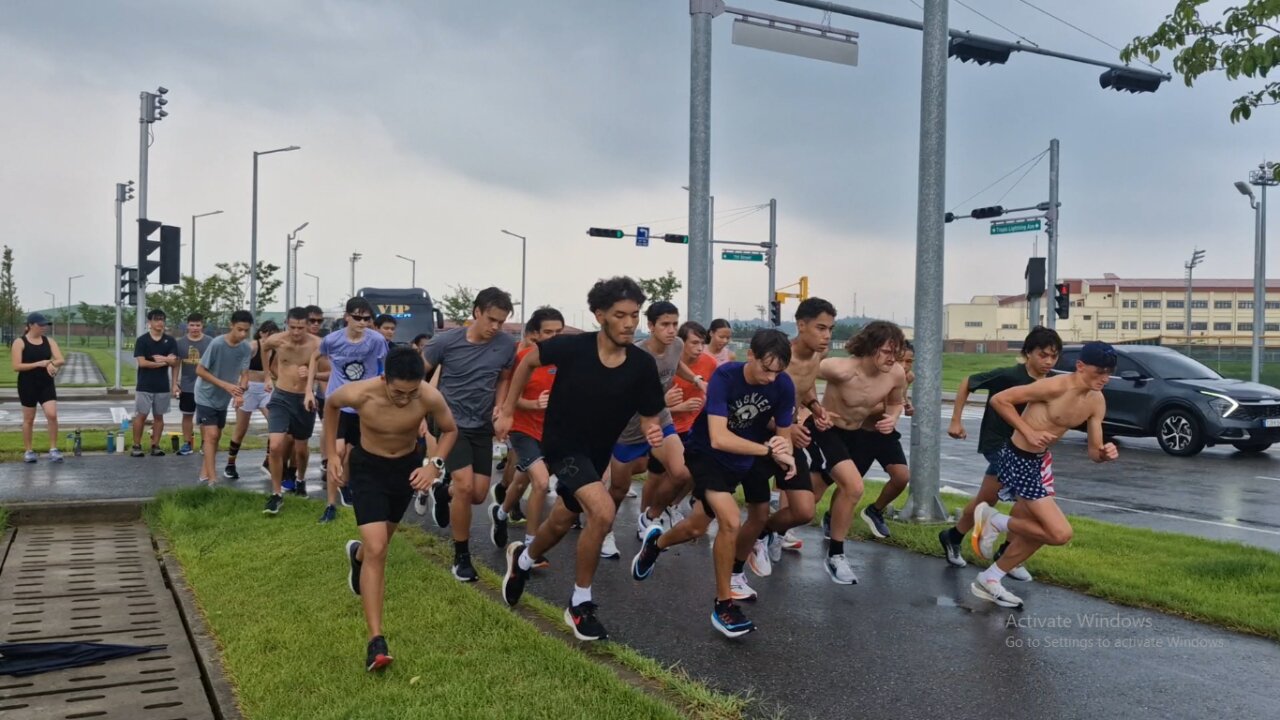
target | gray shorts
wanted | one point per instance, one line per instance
(286, 413)
(152, 403)
(528, 451)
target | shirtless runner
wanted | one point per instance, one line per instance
(387, 465)
(871, 376)
(1053, 406)
(289, 420)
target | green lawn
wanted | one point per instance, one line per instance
(958, 366)
(1227, 584)
(95, 440)
(293, 637)
(106, 360)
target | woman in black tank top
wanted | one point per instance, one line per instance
(36, 359)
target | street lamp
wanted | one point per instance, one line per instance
(193, 238)
(1197, 257)
(524, 247)
(413, 270)
(355, 257)
(1262, 177)
(73, 277)
(317, 279)
(253, 242)
(291, 265)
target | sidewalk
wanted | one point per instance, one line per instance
(908, 641)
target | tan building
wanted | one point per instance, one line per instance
(1115, 309)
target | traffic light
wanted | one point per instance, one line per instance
(672, 238)
(170, 255)
(604, 232)
(128, 286)
(1035, 277)
(147, 246)
(1062, 300)
(987, 212)
(775, 312)
(982, 52)
(1131, 80)
(804, 287)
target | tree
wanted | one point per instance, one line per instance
(456, 305)
(232, 287)
(1244, 43)
(10, 308)
(660, 288)
(98, 317)
(195, 296)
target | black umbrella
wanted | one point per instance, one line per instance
(22, 659)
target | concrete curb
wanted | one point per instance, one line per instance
(212, 674)
(68, 513)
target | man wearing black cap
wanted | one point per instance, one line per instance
(1053, 406)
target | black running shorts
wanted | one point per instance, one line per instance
(349, 428)
(187, 403)
(709, 474)
(380, 485)
(573, 472)
(286, 413)
(473, 449)
(863, 447)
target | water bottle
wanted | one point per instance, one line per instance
(174, 443)
(77, 447)
(111, 442)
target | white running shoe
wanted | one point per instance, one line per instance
(758, 560)
(838, 568)
(422, 502)
(791, 542)
(674, 515)
(739, 589)
(774, 542)
(642, 525)
(993, 591)
(984, 533)
(609, 548)
(1020, 574)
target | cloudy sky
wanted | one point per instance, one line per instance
(428, 126)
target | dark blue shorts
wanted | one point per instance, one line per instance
(626, 453)
(993, 463)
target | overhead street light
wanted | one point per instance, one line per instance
(253, 240)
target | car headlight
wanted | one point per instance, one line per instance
(1223, 404)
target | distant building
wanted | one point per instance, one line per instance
(1119, 310)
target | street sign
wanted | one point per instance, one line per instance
(1004, 227)
(741, 255)
(642, 237)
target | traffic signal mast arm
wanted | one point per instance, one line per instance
(994, 211)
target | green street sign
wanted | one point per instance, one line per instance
(741, 255)
(1013, 226)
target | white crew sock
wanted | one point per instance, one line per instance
(581, 595)
(524, 561)
(502, 514)
(991, 573)
(528, 540)
(1000, 522)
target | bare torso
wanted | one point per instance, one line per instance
(387, 430)
(852, 395)
(804, 374)
(291, 361)
(1068, 408)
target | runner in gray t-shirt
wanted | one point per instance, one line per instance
(191, 347)
(631, 455)
(475, 369)
(221, 376)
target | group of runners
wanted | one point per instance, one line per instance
(415, 425)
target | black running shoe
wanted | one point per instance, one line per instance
(300, 489)
(229, 472)
(378, 656)
(498, 531)
(137, 452)
(353, 576)
(500, 492)
(463, 569)
(826, 526)
(642, 564)
(273, 505)
(875, 521)
(727, 617)
(156, 451)
(517, 516)
(582, 619)
(440, 498)
(577, 522)
(513, 582)
(951, 549)
(290, 473)
(266, 463)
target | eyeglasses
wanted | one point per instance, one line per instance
(362, 318)
(315, 321)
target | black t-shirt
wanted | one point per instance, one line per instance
(995, 431)
(155, 380)
(590, 404)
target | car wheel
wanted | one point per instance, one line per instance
(1178, 432)
(1252, 447)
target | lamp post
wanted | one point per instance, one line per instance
(291, 265)
(524, 247)
(317, 279)
(355, 258)
(68, 316)
(53, 305)
(124, 193)
(253, 241)
(193, 238)
(413, 270)
(1262, 177)
(1197, 257)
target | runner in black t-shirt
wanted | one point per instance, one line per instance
(1040, 351)
(156, 354)
(601, 381)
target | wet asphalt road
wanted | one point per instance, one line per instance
(909, 641)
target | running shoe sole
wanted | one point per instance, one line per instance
(981, 515)
(380, 662)
(959, 561)
(568, 620)
(351, 566)
(726, 630)
(981, 592)
(512, 559)
(871, 523)
(654, 531)
(831, 574)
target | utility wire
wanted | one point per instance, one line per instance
(1020, 178)
(1001, 179)
(1012, 32)
(1081, 30)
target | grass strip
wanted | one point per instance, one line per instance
(94, 440)
(273, 591)
(1228, 584)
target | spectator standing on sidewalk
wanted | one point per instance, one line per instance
(157, 354)
(37, 359)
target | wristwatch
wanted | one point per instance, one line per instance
(438, 462)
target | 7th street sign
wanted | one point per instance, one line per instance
(741, 255)
(1004, 227)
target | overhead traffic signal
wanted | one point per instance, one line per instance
(983, 52)
(1062, 300)
(1131, 80)
(170, 255)
(604, 232)
(987, 212)
(775, 312)
(146, 246)
(672, 238)
(128, 286)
